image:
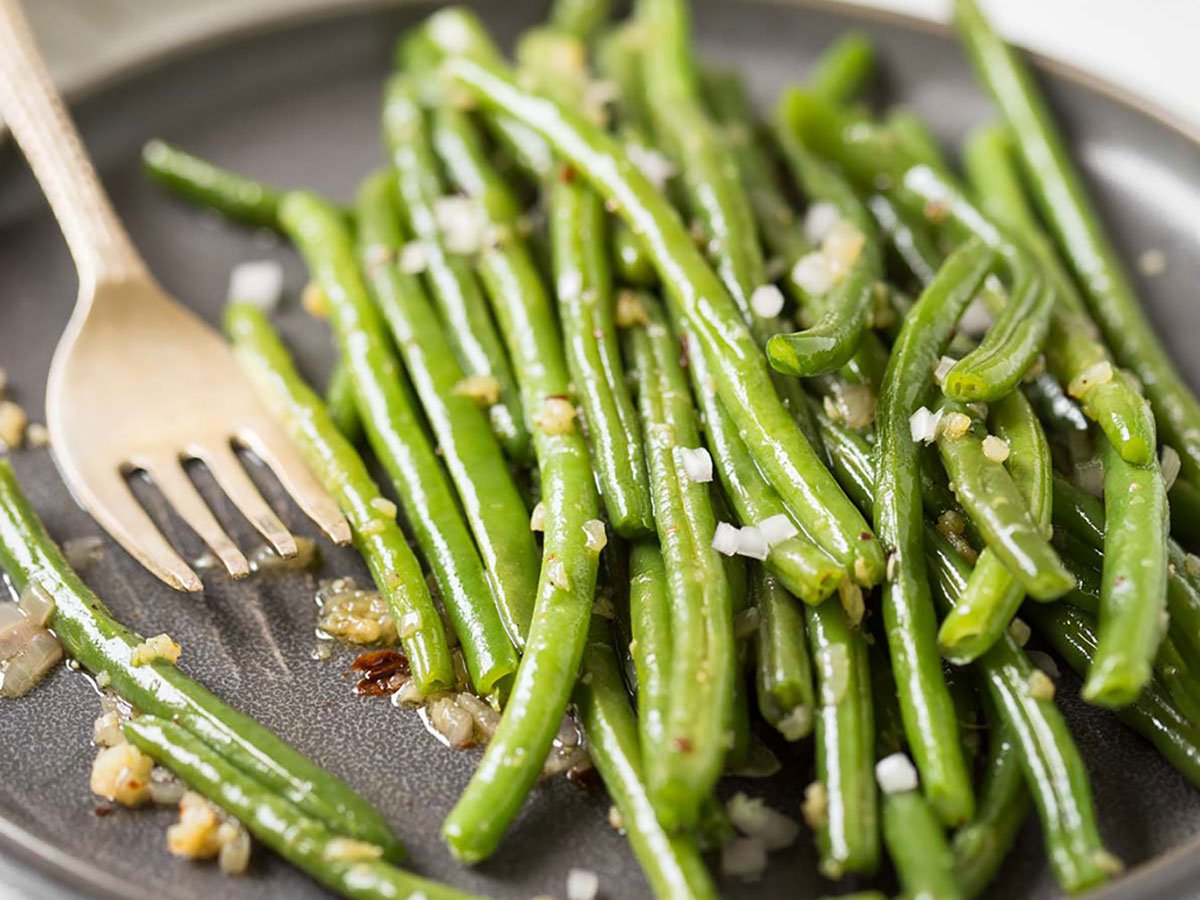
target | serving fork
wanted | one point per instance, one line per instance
(138, 382)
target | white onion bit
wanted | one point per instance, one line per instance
(582, 884)
(656, 167)
(923, 425)
(767, 301)
(753, 818)
(976, 319)
(744, 858)
(814, 274)
(752, 543)
(896, 774)
(461, 222)
(1171, 464)
(995, 448)
(259, 283)
(777, 529)
(696, 463)
(945, 364)
(725, 539)
(597, 539)
(819, 220)
(414, 259)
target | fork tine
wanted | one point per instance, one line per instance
(227, 469)
(113, 505)
(171, 479)
(270, 445)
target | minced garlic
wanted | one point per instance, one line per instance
(122, 773)
(483, 389)
(159, 647)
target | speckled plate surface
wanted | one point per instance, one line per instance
(298, 105)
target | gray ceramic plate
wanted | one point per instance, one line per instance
(299, 106)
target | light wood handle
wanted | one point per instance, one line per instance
(35, 112)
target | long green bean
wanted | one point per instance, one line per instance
(492, 505)
(783, 668)
(681, 773)
(789, 462)
(917, 846)
(672, 863)
(650, 618)
(394, 568)
(303, 841)
(907, 605)
(843, 68)
(234, 196)
(453, 285)
(1062, 198)
(96, 640)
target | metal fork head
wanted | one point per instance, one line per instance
(140, 382)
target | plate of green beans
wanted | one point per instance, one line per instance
(768, 437)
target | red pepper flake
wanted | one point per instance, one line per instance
(567, 174)
(102, 811)
(383, 672)
(866, 536)
(683, 745)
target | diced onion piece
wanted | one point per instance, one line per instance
(557, 573)
(1089, 475)
(409, 624)
(744, 858)
(259, 283)
(656, 167)
(696, 463)
(344, 849)
(12, 425)
(1019, 632)
(956, 425)
(1093, 375)
(37, 604)
(537, 519)
(234, 857)
(159, 647)
(106, 730)
(815, 808)
(414, 258)
(1040, 686)
(629, 311)
(725, 539)
(995, 448)
(814, 274)
(557, 416)
(896, 774)
(777, 529)
(1170, 464)
(15, 630)
(857, 405)
(752, 543)
(850, 595)
(796, 725)
(597, 539)
(843, 246)
(41, 653)
(945, 364)
(767, 301)
(923, 425)
(976, 319)
(122, 774)
(819, 219)
(462, 223)
(165, 788)
(451, 721)
(753, 818)
(582, 884)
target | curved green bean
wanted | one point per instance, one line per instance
(234, 196)
(843, 68)
(783, 669)
(1133, 591)
(492, 505)
(787, 459)
(681, 773)
(453, 285)
(96, 640)
(1062, 198)
(383, 546)
(917, 847)
(909, 619)
(997, 507)
(395, 432)
(303, 841)
(848, 835)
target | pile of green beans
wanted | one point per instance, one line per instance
(618, 340)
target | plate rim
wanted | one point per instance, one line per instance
(1167, 872)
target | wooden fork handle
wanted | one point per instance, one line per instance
(35, 112)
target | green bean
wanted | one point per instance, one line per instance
(1185, 511)
(804, 569)
(394, 568)
(339, 401)
(1134, 588)
(91, 636)
(681, 773)
(1062, 199)
(907, 606)
(783, 669)
(491, 503)
(672, 863)
(871, 156)
(303, 841)
(1072, 634)
(993, 595)
(234, 196)
(650, 615)
(1178, 678)
(786, 458)
(1074, 352)
(632, 266)
(1004, 804)
(911, 240)
(848, 834)
(917, 847)
(1050, 760)
(453, 285)
(585, 306)
(916, 140)
(581, 18)
(889, 724)
(395, 433)
(842, 322)
(843, 68)
(997, 507)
